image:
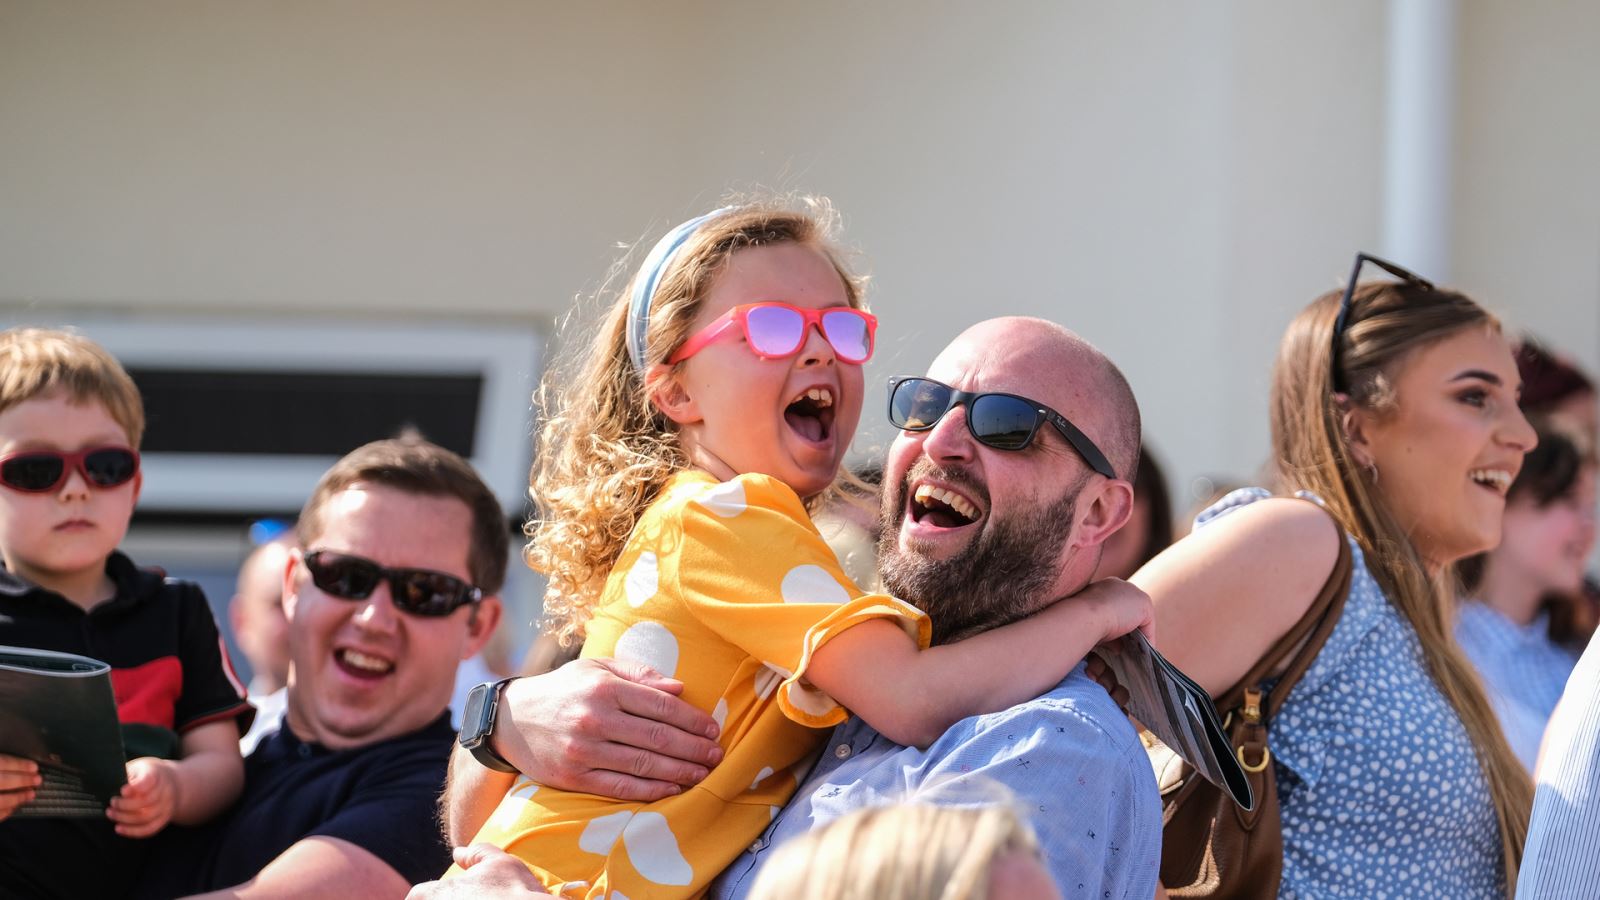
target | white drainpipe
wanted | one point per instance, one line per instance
(1419, 136)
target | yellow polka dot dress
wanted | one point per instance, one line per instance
(729, 588)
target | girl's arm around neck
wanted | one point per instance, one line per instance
(875, 670)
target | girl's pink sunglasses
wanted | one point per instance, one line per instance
(776, 330)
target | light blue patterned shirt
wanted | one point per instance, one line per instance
(1070, 758)
(1523, 670)
(1562, 857)
(1379, 787)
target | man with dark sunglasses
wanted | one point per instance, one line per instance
(1011, 469)
(403, 551)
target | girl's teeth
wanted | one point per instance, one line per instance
(820, 396)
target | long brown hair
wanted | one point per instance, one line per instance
(1388, 322)
(604, 451)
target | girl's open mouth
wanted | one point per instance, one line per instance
(810, 415)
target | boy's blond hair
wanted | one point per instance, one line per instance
(37, 361)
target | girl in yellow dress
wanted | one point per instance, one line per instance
(674, 472)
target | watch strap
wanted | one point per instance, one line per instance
(483, 750)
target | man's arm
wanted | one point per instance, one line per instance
(604, 727)
(320, 867)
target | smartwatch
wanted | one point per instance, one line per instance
(477, 724)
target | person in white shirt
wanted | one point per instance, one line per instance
(1562, 856)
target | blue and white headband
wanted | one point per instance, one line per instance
(644, 286)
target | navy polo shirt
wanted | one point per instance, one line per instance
(382, 798)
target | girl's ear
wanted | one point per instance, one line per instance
(1356, 423)
(669, 395)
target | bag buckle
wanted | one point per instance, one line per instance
(1266, 760)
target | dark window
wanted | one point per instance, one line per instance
(302, 413)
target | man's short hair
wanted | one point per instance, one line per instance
(37, 361)
(415, 466)
(1124, 443)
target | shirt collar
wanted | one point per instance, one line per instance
(132, 585)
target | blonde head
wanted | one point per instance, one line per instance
(1387, 323)
(604, 451)
(913, 851)
(39, 361)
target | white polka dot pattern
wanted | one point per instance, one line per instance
(1379, 788)
(729, 588)
(652, 644)
(653, 850)
(643, 580)
(812, 584)
(602, 832)
(725, 499)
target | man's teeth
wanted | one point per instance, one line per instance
(1499, 479)
(951, 499)
(358, 660)
(822, 397)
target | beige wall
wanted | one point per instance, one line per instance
(1171, 179)
(1527, 230)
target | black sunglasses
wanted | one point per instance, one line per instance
(421, 592)
(42, 471)
(1343, 319)
(1001, 421)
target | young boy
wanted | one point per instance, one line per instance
(70, 423)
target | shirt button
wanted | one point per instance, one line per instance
(304, 750)
(842, 751)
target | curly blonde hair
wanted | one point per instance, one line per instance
(604, 451)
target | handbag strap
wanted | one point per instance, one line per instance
(1308, 635)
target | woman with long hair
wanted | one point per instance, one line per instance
(1394, 412)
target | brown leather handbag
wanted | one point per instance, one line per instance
(1210, 846)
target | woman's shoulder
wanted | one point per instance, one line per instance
(1253, 524)
(1241, 582)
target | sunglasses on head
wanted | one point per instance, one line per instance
(42, 471)
(776, 330)
(1342, 321)
(420, 592)
(1001, 421)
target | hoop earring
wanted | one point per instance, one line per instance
(1372, 471)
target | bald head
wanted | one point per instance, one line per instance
(1047, 362)
(980, 535)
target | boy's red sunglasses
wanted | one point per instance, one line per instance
(776, 330)
(42, 471)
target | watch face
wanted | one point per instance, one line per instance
(473, 717)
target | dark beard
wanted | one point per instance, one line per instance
(1000, 577)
